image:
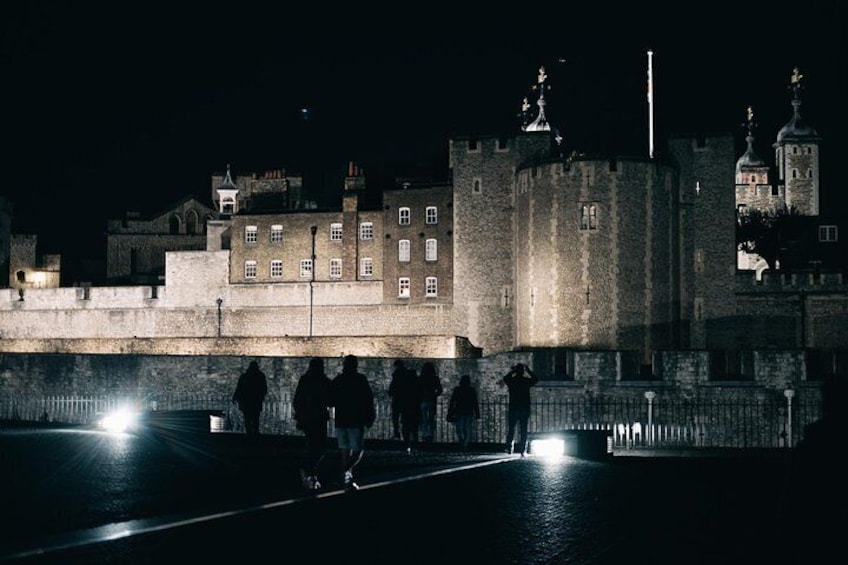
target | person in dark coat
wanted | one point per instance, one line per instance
(249, 395)
(353, 399)
(430, 388)
(518, 381)
(463, 409)
(311, 413)
(403, 391)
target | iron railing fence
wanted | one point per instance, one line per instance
(631, 423)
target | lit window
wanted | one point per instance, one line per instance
(829, 233)
(366, 267)
(366, 230)
(403, 216)
(276, 268)
(588, 217)
(250, 269)
(250, 233)
(431, 287)
(336, 231)
(431, 250)
(276, 234)
(335, 268)
(403, 250)
(306, 268)
(431, 215)
(403, 287)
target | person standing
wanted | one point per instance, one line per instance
(249, 395)
(518, 381)
(353, 399)
(310, 402)
(403, 391)
(398, 376)
(430, 387)
(464, 409)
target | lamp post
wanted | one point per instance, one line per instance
(219, 302)
(314, 230)
(788, 393)
(649, 396)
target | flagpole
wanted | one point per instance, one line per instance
(650, 104)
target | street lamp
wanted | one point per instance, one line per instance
(219, 302)
(649, 396)
(314, 230)
(789, 394)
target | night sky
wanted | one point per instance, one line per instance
(131, 106)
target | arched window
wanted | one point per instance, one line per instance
(174, 225)
(191, 222)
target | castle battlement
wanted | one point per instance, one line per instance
(797, 281)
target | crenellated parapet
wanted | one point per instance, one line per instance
(796, 281)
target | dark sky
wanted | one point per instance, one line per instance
(134, 105)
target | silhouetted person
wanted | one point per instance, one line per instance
(430, 388)
(518, 381)
(310, 402)
(398, 375)
(353, 399)
(817, 489)
(404, 393)
(249, 395)
(466, 409)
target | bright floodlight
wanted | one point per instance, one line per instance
(119, 421)
(548, 447)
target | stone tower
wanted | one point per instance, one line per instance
(796, 153)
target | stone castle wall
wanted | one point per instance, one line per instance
(150, 378)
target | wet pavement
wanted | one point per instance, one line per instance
(78, 495)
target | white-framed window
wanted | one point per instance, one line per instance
(829, 234)
(403, 287)
(431, 287)
(335, 268)
(366, 230)
(250, 234)
(431, 250)
(306, 268)
(250, 269)
(404, 216)
(276, 233)
(431, 215)
(366, 267)
(276, 268)
(588, 217)
(336, 231)
(403, 251)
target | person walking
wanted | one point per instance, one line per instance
(310, 402)
(430, 388)
(398, 377)
(403, 391)
(463, 409)
(353, 399)
(518, 381)
(249, 395)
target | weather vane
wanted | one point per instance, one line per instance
(749, 122)
(795, 82)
